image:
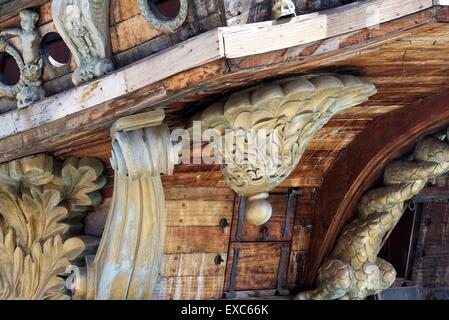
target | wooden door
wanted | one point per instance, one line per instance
(259, 257)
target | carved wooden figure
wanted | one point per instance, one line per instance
(262, 132)
(84, 26)
(30, 63)
(38, 196)
(283, 9)
(353, 270)
(127, 264)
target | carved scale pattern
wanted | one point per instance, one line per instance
(290, 111)
(353, 270)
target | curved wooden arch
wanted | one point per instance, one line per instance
(359, 166)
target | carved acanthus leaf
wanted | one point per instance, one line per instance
(36, 195)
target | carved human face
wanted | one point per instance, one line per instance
(28, 20)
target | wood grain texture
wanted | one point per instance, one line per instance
(257, 267)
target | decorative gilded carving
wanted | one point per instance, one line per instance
(84, 26)
(283, 9)
(30, 63)
(286, 114)
(158, 21)
(353, 270)
(128, 261)
(38, 198)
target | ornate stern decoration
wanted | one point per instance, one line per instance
(84, 26)
(127, 264)
(39, 201)
(288, 113)
(283, 9)
(353, 270)
(28, 89)
(158, 21)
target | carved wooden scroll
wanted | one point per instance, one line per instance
(84, 26)
(283, 9)
(128, 261)
(39, 200)
(30, 63)
(288, 113)
(353, 270)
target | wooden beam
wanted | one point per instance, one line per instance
(115, 85)
(13, 7)
(361, 164)
(210, 46)
(268, 36)
(163, 78)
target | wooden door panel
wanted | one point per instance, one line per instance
(256, 265)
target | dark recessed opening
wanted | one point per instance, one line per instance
(9, 70)
(167, 8)
(55, 49)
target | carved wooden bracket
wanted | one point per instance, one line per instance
(39, 199)
(289, 112)
(353, 270)
(84, 26)
(30, 63)
(128, 261)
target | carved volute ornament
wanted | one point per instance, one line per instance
(288, 113)
(158, 21)
(127, 264)
(353, 270)
(283, 9)
(84, 26)
(39, 198)
(30, 63)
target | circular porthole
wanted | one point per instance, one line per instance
(55, 49)
(9, 70)
(164, 15)
(168, 9)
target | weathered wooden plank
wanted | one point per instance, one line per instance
(12, 8)
(189, 288)
(56, 133)
(195, 265)
(269, 36)
(258, 265)
(197, 212)
(196, 239)
(203, 193)
(115, 85)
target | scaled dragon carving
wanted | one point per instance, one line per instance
(286, 114)
(84, 26)
(30, 63)
(353, 270)
(39, 201)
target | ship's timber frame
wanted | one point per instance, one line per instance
(217, 61)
